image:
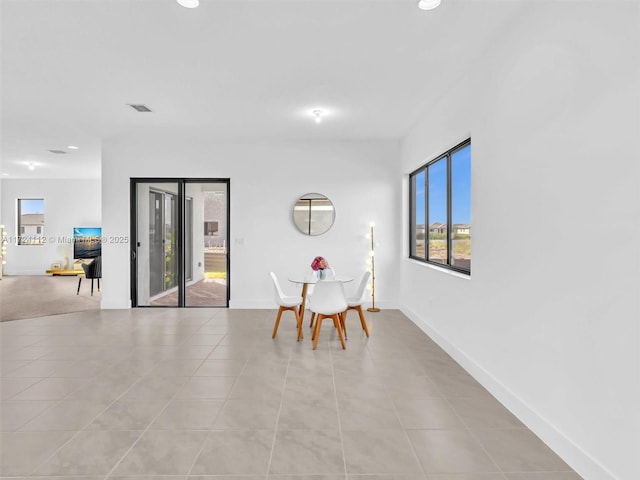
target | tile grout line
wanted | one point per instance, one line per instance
(469, 431)
(197, 456)
(12, 398)
(56, 401)
(335, 396)
(173, 397)
(395, 410)
(78, 431)
(275, 431)
(472, 435)
(105, 409)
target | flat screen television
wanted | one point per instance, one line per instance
(87, 242)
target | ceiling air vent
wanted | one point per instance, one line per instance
(140, 108)
(58, 152)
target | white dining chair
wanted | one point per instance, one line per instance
(355, 303)
(286, 303)
(328, 301)
(330, 274)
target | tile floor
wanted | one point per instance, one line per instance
(177, 393)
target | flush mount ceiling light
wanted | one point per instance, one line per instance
(57, 152)
(317, 115)
(428, 4)
(188, 3)
(72, 147)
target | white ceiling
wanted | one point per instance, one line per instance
(230, 69)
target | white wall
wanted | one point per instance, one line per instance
(549, 319)
(266, 180)
(67, 204)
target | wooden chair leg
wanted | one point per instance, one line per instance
(313, 317)
(363, 321)
(299, 323)
(316, 332)
(343, 322)
(336, 322)
(275, 326)
(79, 282)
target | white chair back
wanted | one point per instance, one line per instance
(279, 294)
(328, 298)
(359, 294)
(285, 303)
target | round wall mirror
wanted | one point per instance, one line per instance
(313, 214)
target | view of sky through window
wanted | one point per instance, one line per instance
(461, 191)
(31, 206)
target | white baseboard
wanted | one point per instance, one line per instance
(584, 464)
(115, 305)
(252, 304)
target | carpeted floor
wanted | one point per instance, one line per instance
(40, 295)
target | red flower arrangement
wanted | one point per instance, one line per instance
(319, 263)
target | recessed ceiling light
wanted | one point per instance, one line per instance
(72, 147)
(189, 3)
(31, 166)
(317, 115)
(428, 4)
(5, 174)
(139, 107)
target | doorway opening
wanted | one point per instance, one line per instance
(180, 238)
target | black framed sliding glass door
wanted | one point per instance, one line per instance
(180, 234)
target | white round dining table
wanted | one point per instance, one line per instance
(310, 278)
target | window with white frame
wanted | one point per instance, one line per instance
(31, 221)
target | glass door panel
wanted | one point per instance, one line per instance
(188, 240)
(157, 244)
(207, 242)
